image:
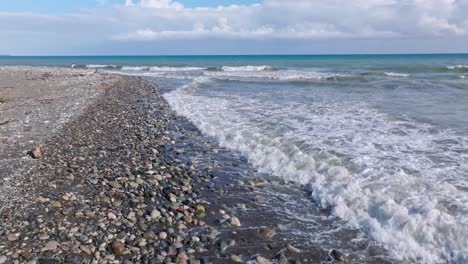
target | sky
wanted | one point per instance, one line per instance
(205, 27)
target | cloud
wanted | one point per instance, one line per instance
(301, 19)
(155, 21)
(156, 4)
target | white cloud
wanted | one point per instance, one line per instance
(301, 19)
(147, 21)
(161, 4)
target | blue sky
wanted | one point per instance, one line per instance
(153, 27)
(67, 6)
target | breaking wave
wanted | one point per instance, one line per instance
(247, 68)
(398, 180)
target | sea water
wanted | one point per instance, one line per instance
(382, 140)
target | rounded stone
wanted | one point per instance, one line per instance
(235, 221)
(267, 232)
(155, 214)
(236, 259)
(118, 248)
(51, 245)
(162, 235)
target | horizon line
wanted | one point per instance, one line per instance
(219, 55)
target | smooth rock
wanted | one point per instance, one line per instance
(148, 235)
(118, 248)
(3, 259)
(142, 243)
(56, 204)
(235, 221)
(294, 249)
(162, 235)
(262, 260)
(52, 245)
(155, 214)
(111, 216)
(267, 232)
(36, 153)
(200, 209)
(236, 259)
(12, 238)
(182, 256)
(86, 250)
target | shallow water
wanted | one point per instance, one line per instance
(381, 140)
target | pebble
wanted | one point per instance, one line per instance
(44, 237)
(142, 243)
(200, 209)
(111, 216)
(36, 153)
(294, 249)
(86, 250)
(118, 248)
(235, 221)
(149, 235)
(236, 259)
(51, 245)
(262, 260)
(3, 259)
(12, 238)
(155, 214)
(56, 204)
(182, 256)
(162, 235)
(88, 213)
(267, 232)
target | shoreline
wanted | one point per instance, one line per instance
(123, 186)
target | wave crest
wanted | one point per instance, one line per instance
(247, 68)
(174, 69)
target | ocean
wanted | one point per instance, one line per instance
(381, 140)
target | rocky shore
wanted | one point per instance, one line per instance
(35, 103)
(121, 183)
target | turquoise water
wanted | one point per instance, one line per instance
(381, 139)
(384, 61)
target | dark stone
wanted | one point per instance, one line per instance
(74, 259)
(47, 261)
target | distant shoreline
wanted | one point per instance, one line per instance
(241, 55)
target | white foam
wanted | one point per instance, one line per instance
(281, 75)
(174, 69)
(462, 76)
(247, 68)
(95, 66)
(394, 74)
(378, 173)
(135, 68)
(457, 67)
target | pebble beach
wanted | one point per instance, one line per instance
(118, 181)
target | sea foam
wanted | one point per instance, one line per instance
(376, 173)
(174, 69)
(457, 67)
(135, 68)
(394, 74)
(248, 68)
